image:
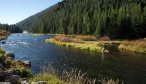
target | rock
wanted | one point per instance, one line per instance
(2, 65)
(27, 64)
(16, 72)
(3, 42)
(42, 82)
(5, 82)
(15, 79)
(25, 82)
(10, 55)
(34, 83)
(5, 75)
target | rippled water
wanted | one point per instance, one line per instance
(126, 66)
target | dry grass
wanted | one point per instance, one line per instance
(75, 39)
(135, 46)
(85, 37)
(110, 81)
(104, 38)
(138, 43)
(53, 76)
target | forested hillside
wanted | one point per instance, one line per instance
(10, 28)
(114, 18)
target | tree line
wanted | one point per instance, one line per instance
(114, 18)
(10, 28)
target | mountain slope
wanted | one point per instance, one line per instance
(115, 18)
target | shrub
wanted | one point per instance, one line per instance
(104, 38)
(85, 37)
(59, 37)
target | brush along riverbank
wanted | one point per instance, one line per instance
(92, 43)
(12, 71)
(138, 46)
(3, 34)
(83, 42)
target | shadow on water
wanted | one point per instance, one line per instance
(126, 66)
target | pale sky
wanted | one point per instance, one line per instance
(13, 11)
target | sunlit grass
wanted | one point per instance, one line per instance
(3, 34)
(53, 76)
(135, 46)
(84, 46)
(36, 34)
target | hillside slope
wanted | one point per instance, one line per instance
(115, 18)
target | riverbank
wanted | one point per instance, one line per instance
(92, 43)
(12, 71)
(138, 46)
(3, 34)
(89, 43)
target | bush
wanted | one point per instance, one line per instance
(75, 39)
(85, 37)
(104, 38)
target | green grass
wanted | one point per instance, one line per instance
(3, 37)
(53, 76)
(138, 46)
(37, 34)
(96, 47)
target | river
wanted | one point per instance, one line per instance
(126, 66)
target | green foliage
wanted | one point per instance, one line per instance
(10, 28)
(114, 18)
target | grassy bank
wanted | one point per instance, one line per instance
(3, 34)
(37, 34)
(138, 46)
(97, 47)
(90, 43)
(12, 67)
(53, 76)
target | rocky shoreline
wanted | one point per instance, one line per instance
(13, 71)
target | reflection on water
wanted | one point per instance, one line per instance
(129, 67)
(102, 58)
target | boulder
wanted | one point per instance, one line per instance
(16, 72)
(10, 55)
(5, 75)
(27, 64)
(14, 79)
(25, 82)
(5, 82)
(2, 65)
(42, 82)
(34, 83)
(3, 42)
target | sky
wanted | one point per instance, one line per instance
(13, 11)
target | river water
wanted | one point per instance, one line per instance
(126, 66)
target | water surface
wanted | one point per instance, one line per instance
(126, 66)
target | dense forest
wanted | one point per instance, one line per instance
(114, 18)
(10, 28)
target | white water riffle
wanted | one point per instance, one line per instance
(25, 32)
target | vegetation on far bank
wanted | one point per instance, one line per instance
(92, 43)
(138, 46)
(84, 42)
(10, 28)
(3, 34)
(37, 34)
